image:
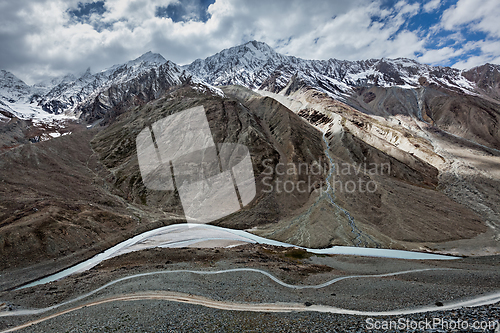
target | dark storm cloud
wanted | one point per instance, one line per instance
(14, 52)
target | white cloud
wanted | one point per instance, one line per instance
(462, 19)
(475, 61)
(476, 15)
(353, 35)
(134, 12)
(489, 51)
(432, 5)
(437, 56)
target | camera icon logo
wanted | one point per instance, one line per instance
(178, 152)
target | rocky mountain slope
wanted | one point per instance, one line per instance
(464, 103)
(75, 195)
(435, 129)
(69, 95)
(69, 197)
(254, 65)
(257, 65)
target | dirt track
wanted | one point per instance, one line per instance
(461, 280)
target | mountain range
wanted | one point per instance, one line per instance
(254, 65)
(379, 153)
(437, 128)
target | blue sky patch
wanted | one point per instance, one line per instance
(185, 10)
(85, 10)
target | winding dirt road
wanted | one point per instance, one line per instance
(263, 307)
(226, 305)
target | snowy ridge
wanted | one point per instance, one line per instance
(12, 89)
(57, 98)
(247, 65)
(257, 66)
(254, 65)
(67, 95)
(203, 87)
(16, 98)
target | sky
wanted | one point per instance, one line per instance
(40, 39)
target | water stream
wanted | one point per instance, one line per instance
(185, 234)
(330, 192)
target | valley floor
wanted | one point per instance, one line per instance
(432, 287)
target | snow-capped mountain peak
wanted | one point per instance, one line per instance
(12, 88)
(86, 74)
(254, 65)
(253, 50)
(257, 66)
(248, 64)
(150, 58)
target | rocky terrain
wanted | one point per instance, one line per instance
(420, 145)
(177, 304)
(72, 193)
(414, 177)
(57, 208)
